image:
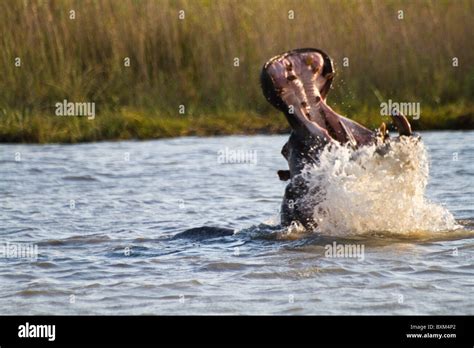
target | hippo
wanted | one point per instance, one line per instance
(297, 83)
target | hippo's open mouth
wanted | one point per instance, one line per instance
(298, 82)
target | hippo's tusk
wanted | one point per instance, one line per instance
(349, 136)
(336, 128)
(382, 132)
(401, 123)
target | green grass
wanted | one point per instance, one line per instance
(191, 62)
(147, 124)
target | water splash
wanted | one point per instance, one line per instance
(361, 191)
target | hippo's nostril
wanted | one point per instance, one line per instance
(291, 77)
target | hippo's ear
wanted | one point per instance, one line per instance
(284, 175)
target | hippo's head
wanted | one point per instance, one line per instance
(298, 82)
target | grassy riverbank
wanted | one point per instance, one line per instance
(149, 124)
(209, 62)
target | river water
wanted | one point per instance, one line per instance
(101, 217)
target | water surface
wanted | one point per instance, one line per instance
(102, 216)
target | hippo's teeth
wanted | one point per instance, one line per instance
(382, 132)
(334, 126)
(348, 135)
(329, 75)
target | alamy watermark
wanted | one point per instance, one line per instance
(405, 108)
(66, 108)
(236, 156)
(37, 331)
(336, 250)
(19, 251)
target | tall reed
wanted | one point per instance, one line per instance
(191, 61)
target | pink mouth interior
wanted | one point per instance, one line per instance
(298, 79)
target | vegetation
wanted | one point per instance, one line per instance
(192, 62)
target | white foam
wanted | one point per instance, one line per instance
(360, 191)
